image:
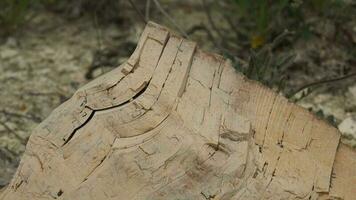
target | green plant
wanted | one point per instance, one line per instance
(259, 16)
(15, 13)
(12, 13)
(267, 66)
(323, 6)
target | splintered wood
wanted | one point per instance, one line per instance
(174, 122)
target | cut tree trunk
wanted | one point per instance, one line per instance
(174, 122)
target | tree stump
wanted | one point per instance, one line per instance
(174, 122)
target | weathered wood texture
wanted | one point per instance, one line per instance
(174, 122)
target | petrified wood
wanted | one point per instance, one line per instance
(174, 122)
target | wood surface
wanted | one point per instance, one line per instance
(174, 122)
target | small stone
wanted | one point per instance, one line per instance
(11, 42)
(352, 91)
(348, 127)
(326, 28)
(8, 53)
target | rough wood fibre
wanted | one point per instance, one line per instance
(174, 122)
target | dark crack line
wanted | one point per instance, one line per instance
(79, 127)
(95, 168)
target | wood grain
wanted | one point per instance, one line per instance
(174, 122)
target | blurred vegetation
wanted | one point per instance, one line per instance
(264, 23)
(257, 27)
(261, 17)
(259, 20)
(14, 14)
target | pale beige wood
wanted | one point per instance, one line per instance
(174, 122)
